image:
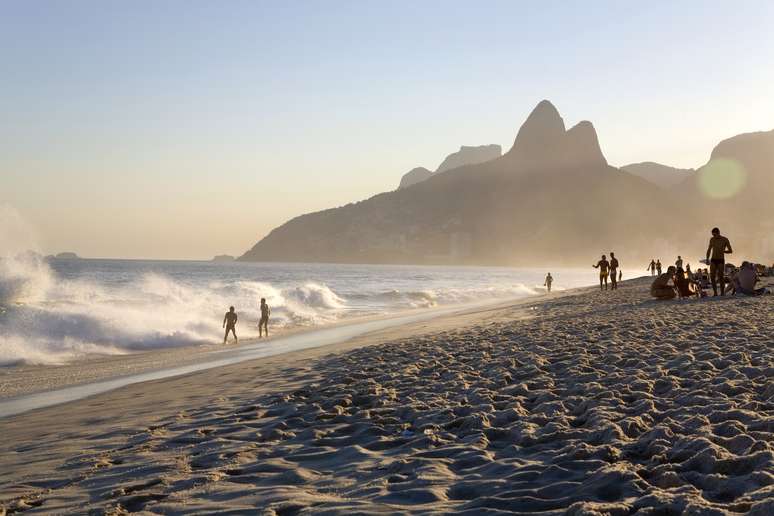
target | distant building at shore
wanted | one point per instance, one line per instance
(67, 256)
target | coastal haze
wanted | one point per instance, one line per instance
(191, 131)
(552, 198)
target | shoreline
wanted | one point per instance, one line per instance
(37, 386)
(589, 403)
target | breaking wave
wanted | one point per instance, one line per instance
(49, 319)
(53, 312)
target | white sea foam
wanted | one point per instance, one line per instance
(53, 312)
(50, 319)
(47, 319)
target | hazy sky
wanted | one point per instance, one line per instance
(187, 129)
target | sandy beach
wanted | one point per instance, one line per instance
(584, 403)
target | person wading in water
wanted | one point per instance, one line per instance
(229, 322)
(263, 324)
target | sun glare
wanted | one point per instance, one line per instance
(722, 178)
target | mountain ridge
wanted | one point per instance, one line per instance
(467, 155)
(552, 193)
(659, 174)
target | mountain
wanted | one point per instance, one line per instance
(738, 180)
(746, 159)
(467, 155)
(414, 176)
(659, 174)
(551, 198)
(735, 189)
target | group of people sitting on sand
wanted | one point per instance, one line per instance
(231, 317)
(683, 283)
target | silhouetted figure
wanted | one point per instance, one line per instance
(652, 267)
(613, 271)
(704, 281)
(620, 275)
(603, 265)
(746, 280)
(263, 324)
(229, 322)
(717, 249)
(661, 289)
(548, 282)
(690, 275)
(658, 267)
(696, 279)
(685, 287)
(679, 262)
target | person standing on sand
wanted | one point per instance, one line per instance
(548, 282)
(613, 271)
(679, 262)
(603, 265)
(718, 248)
(652, 267)
(229, 322)
(620, 275)
(658, 267)
(263, 324)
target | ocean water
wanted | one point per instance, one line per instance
(56, 311)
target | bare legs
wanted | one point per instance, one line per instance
(231, 329)
(717, 278)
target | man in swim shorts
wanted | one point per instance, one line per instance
(263, 324)
(547, 284)
(718, 248)
(229, 322)
(613, 271)
(603, 265)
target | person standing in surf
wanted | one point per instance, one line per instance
(229, 322)
(548, 282)
(263, 324)
(652, 267)
(603, 265)
(658, 267)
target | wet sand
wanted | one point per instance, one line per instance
(593, 403)
(30, 387)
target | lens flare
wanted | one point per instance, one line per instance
(722, 178)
